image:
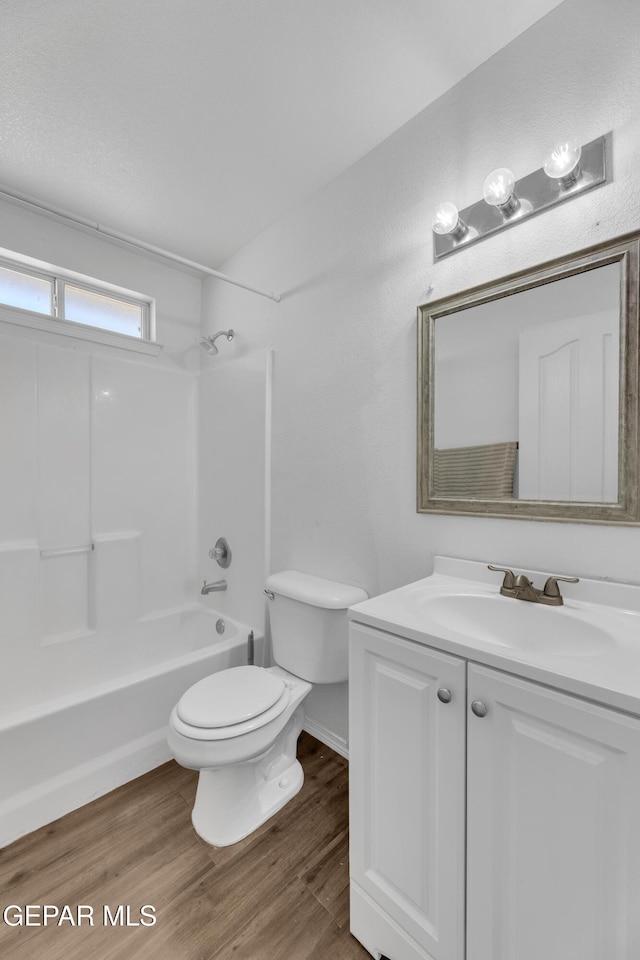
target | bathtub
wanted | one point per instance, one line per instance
(91, 717)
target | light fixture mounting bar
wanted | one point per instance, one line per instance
(536, 192)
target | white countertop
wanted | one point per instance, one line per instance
(606, 674)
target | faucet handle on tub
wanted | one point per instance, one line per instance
(509, 580)
(221, 553)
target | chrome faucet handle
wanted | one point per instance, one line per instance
(509, 579)
(221, 553)
(551, 588)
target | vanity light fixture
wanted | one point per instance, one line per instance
(562, 163)
(567, 171)
(447, 221)
(498, 191)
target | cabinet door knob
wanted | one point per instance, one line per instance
(444, 695)
(479, 708)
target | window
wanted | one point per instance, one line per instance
(25, 291)
(71, 298)
(97, 310)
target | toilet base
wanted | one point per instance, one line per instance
(232, 801)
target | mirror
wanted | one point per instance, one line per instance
(528, 393)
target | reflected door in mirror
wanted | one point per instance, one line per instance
(568, 409)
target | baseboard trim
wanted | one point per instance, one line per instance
(59, 795)
(327, 737)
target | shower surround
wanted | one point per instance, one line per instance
(97, 550)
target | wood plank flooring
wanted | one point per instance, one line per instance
(281, 893)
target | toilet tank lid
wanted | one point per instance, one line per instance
(315, 591)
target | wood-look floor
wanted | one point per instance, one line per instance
(281, 893)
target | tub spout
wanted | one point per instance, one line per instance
(214, 586)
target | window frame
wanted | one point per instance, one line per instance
(28, 271)
(56, 322)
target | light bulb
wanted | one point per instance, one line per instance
(498, 187)
(561, 163)
(446, 219)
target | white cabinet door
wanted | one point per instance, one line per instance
(553, 855)
(406, 759)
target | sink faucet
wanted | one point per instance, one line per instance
(214, 586)
(520, 587)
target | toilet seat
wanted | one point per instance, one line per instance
(229, 697)
(230, 703)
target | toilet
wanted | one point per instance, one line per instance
(240, 727)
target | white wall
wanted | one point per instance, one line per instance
(355, 261)
(98, 444)
(234, 430)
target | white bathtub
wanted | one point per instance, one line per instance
(61, 751)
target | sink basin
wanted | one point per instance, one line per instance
(517, 624)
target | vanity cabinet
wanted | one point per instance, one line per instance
(553, 825)
(499, 824)
(407, 796)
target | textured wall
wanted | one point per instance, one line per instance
(355, 261)
(178, 296)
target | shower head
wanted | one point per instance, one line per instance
(209, 343)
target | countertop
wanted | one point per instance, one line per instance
(609, 676)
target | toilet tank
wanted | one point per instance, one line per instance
(309, 625)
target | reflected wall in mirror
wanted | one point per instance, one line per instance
(528, 393)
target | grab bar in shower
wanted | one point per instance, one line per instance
(66, 551)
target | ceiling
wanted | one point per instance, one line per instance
(194, 124)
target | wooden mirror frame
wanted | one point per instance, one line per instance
(623, 250)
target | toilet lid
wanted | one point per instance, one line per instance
(229, 697)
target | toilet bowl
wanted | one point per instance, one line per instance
(248, 766)
(240, 727)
